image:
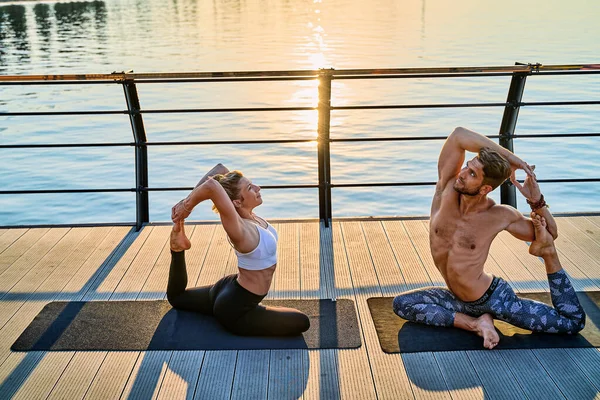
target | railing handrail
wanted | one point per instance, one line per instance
(506, 135)
(121, 76)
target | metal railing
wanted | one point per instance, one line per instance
(512, 105)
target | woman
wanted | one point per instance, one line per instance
(233, 300)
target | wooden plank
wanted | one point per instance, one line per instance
(495, 375)
(217, 370)
(43, 378)
(181, 375)
(460, 377)
(381, 374)
(536, 265)
(130, 359)
(216, 259)
(313, 274)
(72, 290)
(391, 281)
(588, 361)
(425, 376)
(156, 284)
(152, 373)
(287, 282)
(111, 376)
(147, 375)
(15, 370)
(140, 268)
(20, 247)
(39, 381)
(319, 367)
(286, 373)
(30, 258)
(418, 231)
(514, 269)
(58, 264)
(583, 241)
(287, 369)
(108, 278)
(571, 381)
(571, 255)
(587, 227)
(529, 373)
(9, 237)
(208, 266)
(412, 269)
(75, 380)
(595, 220)
(250, 380)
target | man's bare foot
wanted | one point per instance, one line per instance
(484, 327)
(543, 245)
(178, 240)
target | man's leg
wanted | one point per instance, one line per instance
(439, 307)
(567, 316)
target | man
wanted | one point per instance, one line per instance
(463, 223)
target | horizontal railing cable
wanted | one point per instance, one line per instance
(285, 141)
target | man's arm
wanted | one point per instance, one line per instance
(460, 140)
(531, 191)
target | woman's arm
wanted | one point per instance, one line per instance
(217, 169)
(212, 190)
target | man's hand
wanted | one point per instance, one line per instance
(516, 163)
(530, 188)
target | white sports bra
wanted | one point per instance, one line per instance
(265, 253)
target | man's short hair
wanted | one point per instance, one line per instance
(496, 169)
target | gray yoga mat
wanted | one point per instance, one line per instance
(397, 335)
(155, 325)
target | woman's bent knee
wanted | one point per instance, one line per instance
(303, 323)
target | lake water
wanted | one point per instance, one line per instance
(196, 35)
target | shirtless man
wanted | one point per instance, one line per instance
(463, 223)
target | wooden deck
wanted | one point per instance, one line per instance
(353, 259)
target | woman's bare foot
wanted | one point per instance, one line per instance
(484, 327)
(178, 240)
(543, 245)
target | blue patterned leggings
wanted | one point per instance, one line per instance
(438, 306)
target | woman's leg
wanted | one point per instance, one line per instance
(194, 299)
(271, 321)
(239, 311)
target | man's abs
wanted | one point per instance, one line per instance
(460, 258)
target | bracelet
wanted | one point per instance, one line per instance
(183, 204)
(539, 204)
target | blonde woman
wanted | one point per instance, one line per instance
(235, 299)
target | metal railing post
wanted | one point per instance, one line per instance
(508, 192)
(141, 153)
(323, 153)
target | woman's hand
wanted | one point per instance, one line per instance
(530, 188)
(180, 211)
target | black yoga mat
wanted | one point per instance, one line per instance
(155, 325)
(397, 335)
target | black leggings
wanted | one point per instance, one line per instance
(236, 308)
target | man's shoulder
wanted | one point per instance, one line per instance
(504, 211)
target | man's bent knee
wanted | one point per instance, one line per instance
(402, 306)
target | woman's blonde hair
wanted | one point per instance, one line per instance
(231, 183)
